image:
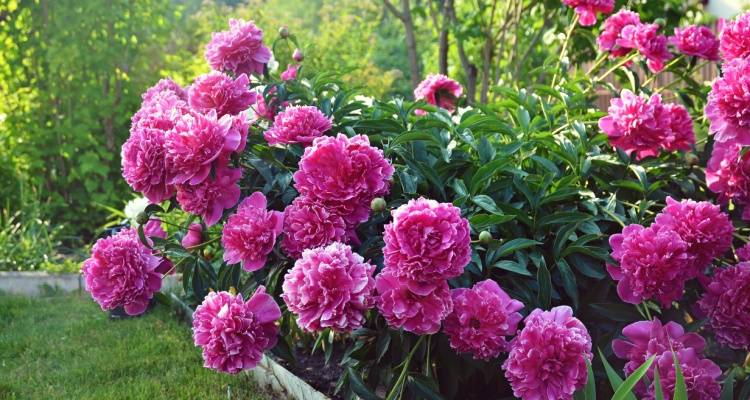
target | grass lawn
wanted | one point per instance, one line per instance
(65, 347)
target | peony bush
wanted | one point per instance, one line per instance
(532, 247)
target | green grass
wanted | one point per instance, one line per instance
(65, 347)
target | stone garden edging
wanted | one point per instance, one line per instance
(35, 283)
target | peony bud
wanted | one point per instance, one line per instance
(691, 159)
(298, 56)
(661, 22)
(193, 237)
(284, 32)
(378, 204)
(485, 237)
(142, 218)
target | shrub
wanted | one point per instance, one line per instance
(527, 192)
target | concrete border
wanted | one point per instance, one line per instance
(36, 283)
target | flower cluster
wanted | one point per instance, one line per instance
(646, 339)
(656, 262)
(646, 126)
(624, 32)
(727, 305)
(547, 359)
(438, 90)
(250, 233)
(122, 272)
(330, 287)
(234, 333)
(482, 318)
(587, 9)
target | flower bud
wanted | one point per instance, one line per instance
(661, 22)
(193, 237)
(485, 237)
(142, 218)
(691, 159)
(284, 32)
(378, 204)
(298, 56)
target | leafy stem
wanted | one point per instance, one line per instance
(398, 387)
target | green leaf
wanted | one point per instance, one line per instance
(545, 286)
(568, 280)
(625, 390)
(514, 245)
(727, 390)
(658, 392)
(484, 174)
(481, 221)
(512, 266)
(358, 386)
(614, 379)
(486, 203)
(590, 389)
(423, 387)
(415, 135)
(680, 387)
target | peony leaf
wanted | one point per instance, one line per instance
(658, 392)
(680, 387)
(514, 245)
(625, 390)
(358, 386)
(727, 391)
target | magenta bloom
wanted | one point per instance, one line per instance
(416, 313)
(193, 237)
(308, 225)
(438, 90)
(330, 287)
(234, 333)
(735, 38)
(547, 359)
(743, 253)
(219, 92)
(701, 375)
(239, 50)
(644, 339)
(195, 142)
(482, 318)
(250, 233)
(164, 86)
(727, 304)
(587, 9)
(153, 228)
(654, 264)
(297, 55)
(211, 197)
(706, 230)
(344, 174)
(144, 164)
(427, 242)
(297, 124)
(611, 37)
(728, 174)
(728, 106)
(698, 41)
(645, 126)
(290, 73)
(121, 272)
(649, 43)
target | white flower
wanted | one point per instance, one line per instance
(135, 207)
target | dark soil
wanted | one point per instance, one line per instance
(313, 370)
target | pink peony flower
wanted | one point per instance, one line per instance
(728, 106)
(645, 126)
(308, 225)
(698, 41)
(239, 50)
(330, 287)
(211, 197)
(743, 253)
(727, 304)
(482, 318)
(153, 228)
(164, 86)
(644, 339)
(654, 264)
(234, 333)
(193, 237)
(649, 43)
(268, 109)
(610, 38)
(250, 233)
(587, 9)
(728, 174)
(162, 105)
(121, 272)
(547, 359)
(219, 92)
(290, 73)
(706, 230)
(298, 124)
(417, 313)
(701, 375)
(195, 142)
(427, 242)
(344, 175)
(144, 164)
(735, 38)
(438, 90)
(297, 55)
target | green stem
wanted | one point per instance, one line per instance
(597, 64)
(564, 51)
(398, 387)
(666, 68)
(618, 65)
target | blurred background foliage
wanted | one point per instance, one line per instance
(72, 71)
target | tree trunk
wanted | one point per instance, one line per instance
(469, 69)
(411, 43)
(486, 60)
(443, 46)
